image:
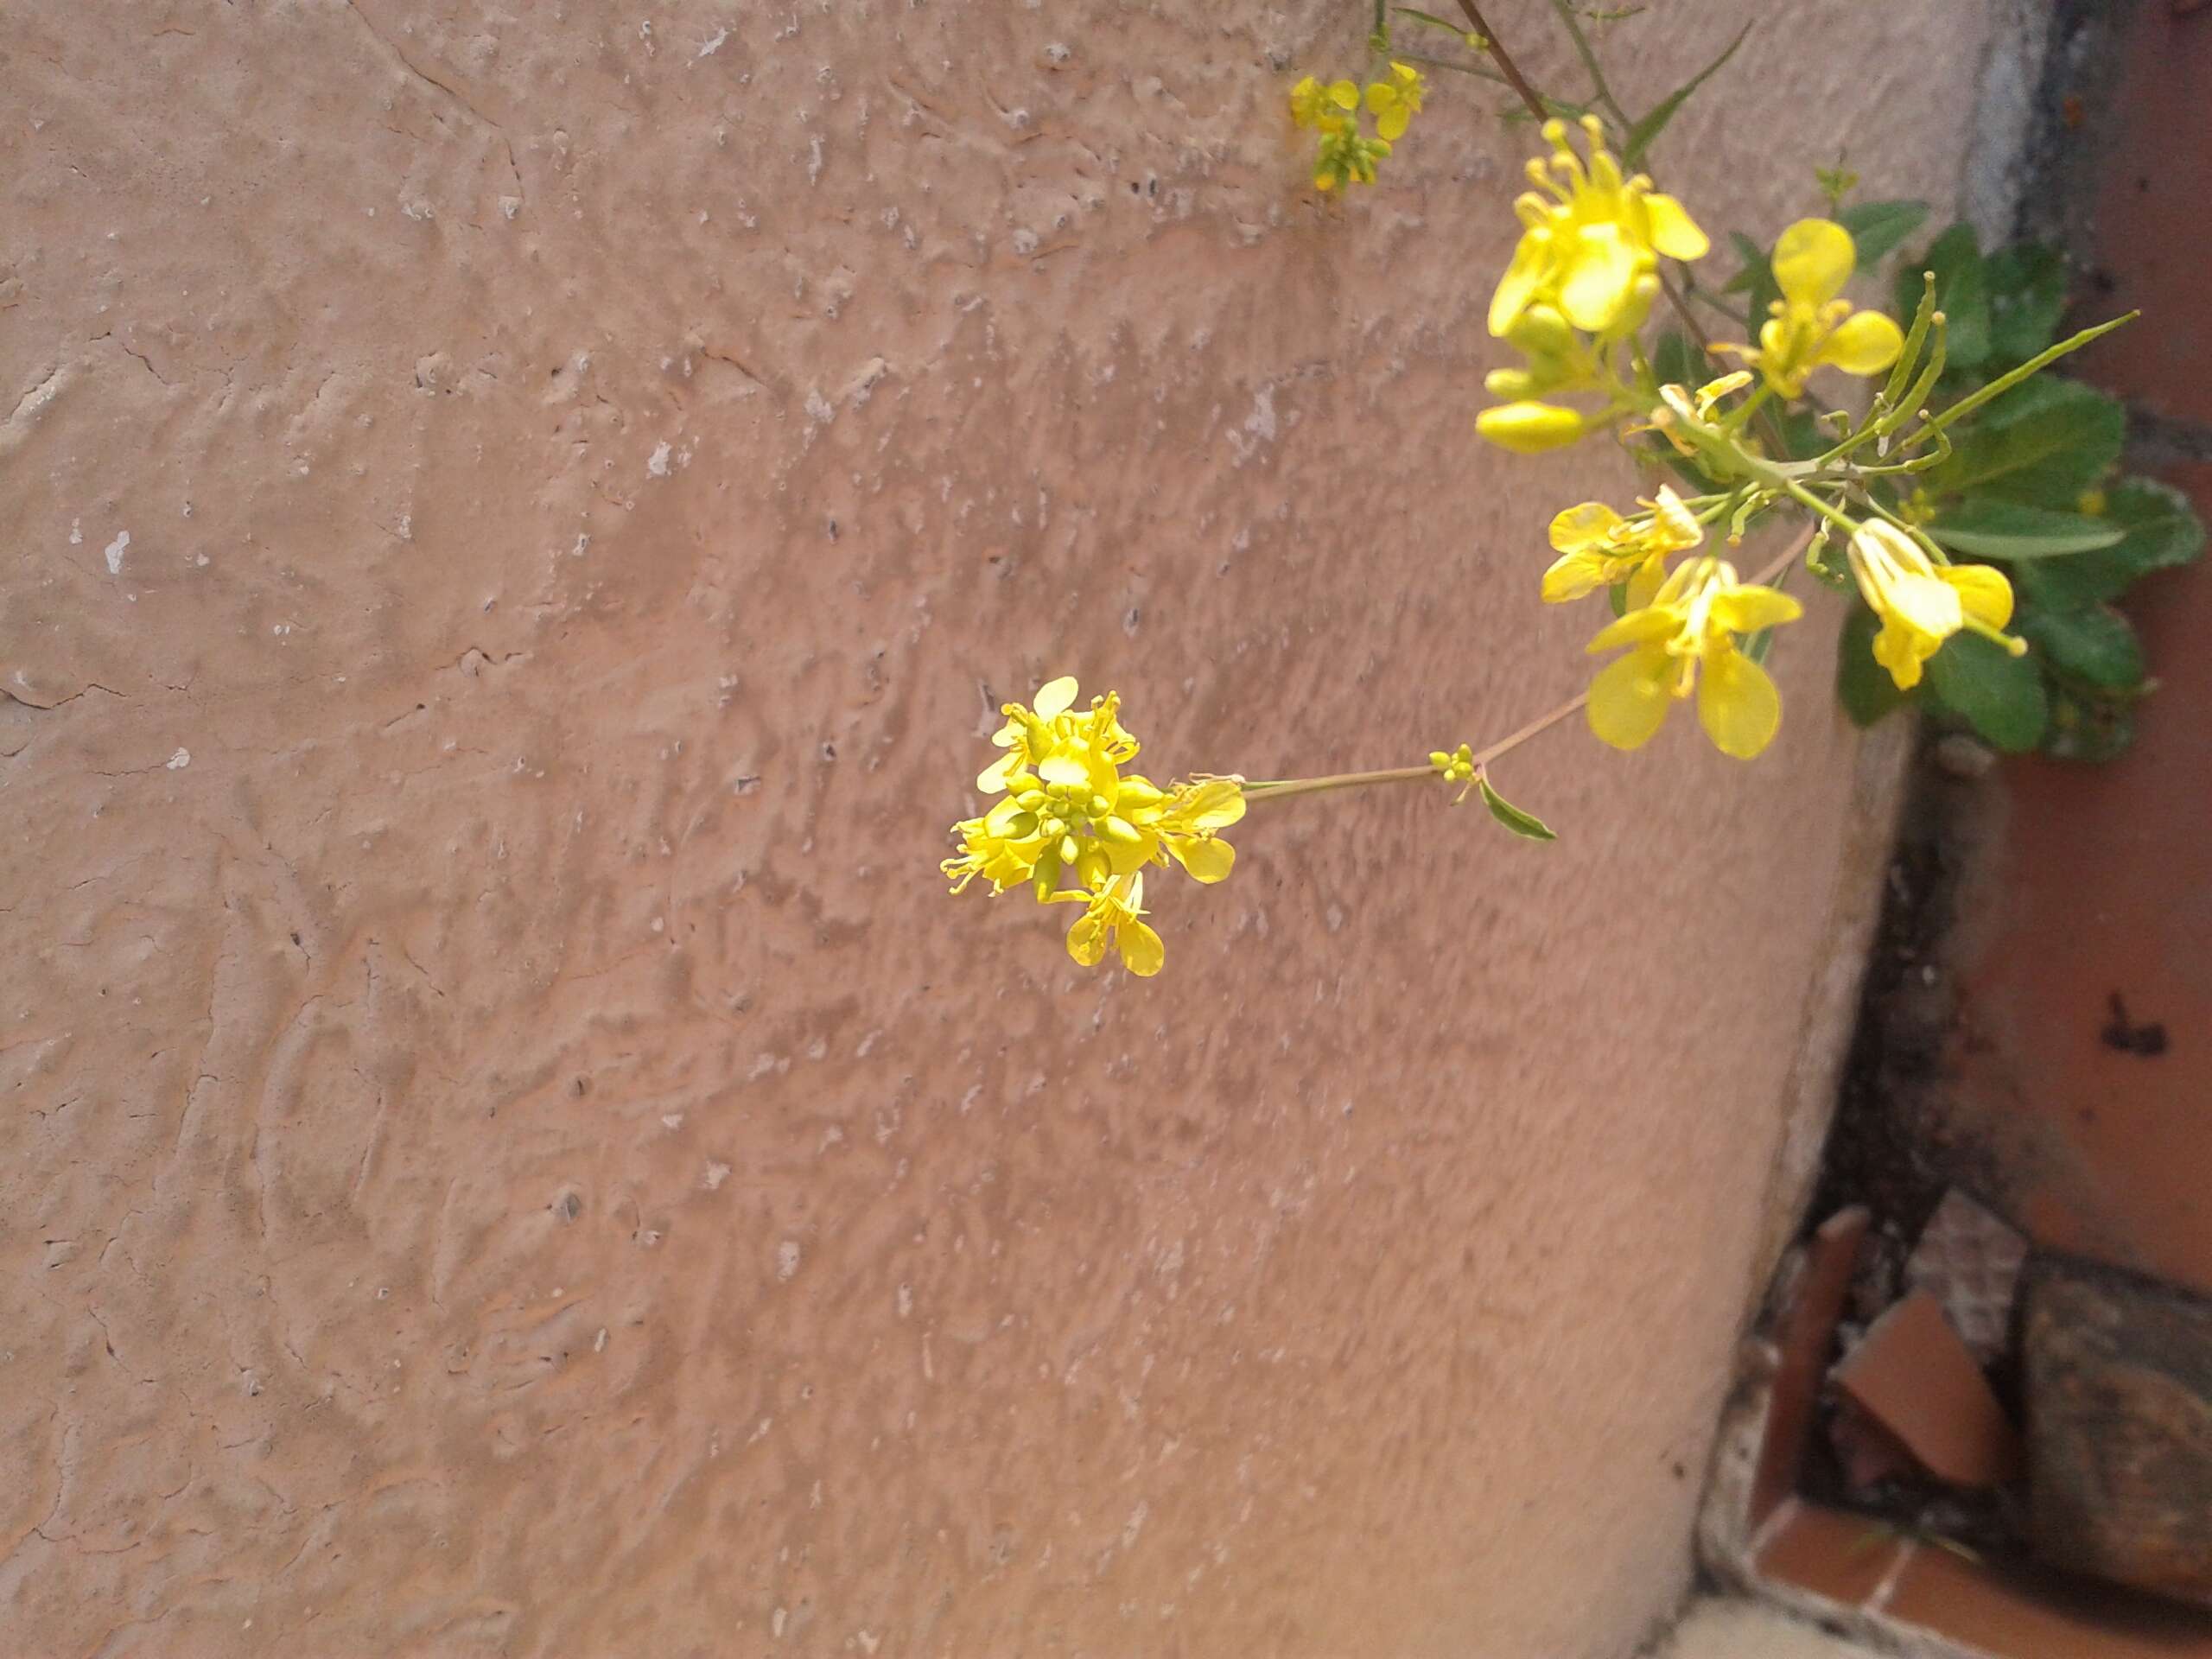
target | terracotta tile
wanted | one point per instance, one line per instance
(2103, 885)
(2013, 1615)
(2152, 183)
(1805, 1327)
(1914, 1377)
(1831, 1552)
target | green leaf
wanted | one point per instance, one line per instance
(2000, 694)
(1962, 293)
(1879, 227)
(2042, 442)
(1756, 279)
(1524, 824)
(1982, 528)
(2097, 645)
(1863, 686)
(2027, 297)
(1640, 136)
(2159, 530)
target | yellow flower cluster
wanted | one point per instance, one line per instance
(1346, 155)
(1587, 264)
(1067, 811)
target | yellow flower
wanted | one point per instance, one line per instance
(1529, 429)
(1394, 103)
(1346, 156)
(1109, 921)
(1692, 621)
(1315, 106)
(1591, 242)
(1812, 327)
(1922, 603)
(1597, 548)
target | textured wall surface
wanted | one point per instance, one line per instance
(518, 516)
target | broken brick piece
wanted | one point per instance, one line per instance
(1914, 1377)
(2119, 1380)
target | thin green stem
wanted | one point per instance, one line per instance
(1583, 50)
(1281, 788)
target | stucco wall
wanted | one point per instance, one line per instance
(516, 516)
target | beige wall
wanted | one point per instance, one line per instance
(506, 1145)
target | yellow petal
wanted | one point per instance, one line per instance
(1674, 232)
(1736, 702)
(1674, 526)
(1518, 286)
(1055, 697)
(1901, 650)
(1141, 950)
(1629, 698)
(1748, 609)
(1865, 342)
(1529, 429)
(1924, 605)
(1206, 859)
(1812, 259)
(1391, 122)
(1087, 939)
(1214, 805)
(1066, 768)
(1572, 576)
(992, 779)
(1343, 95)
(1646, 582)
(1579, 527)
(1984, 593)
(1643, 627)
(1600, 278)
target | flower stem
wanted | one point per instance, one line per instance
(1278, 789)
(1506, 67)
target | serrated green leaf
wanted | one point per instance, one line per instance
(1982, 528)
(1648, 129)
(1863, 686)
(2027, 297)
(2000, 694)
(2042, 442)
(1962, 293)
(2097, 645)
(1524, 824)
(1879, 227)
(2159, 530)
